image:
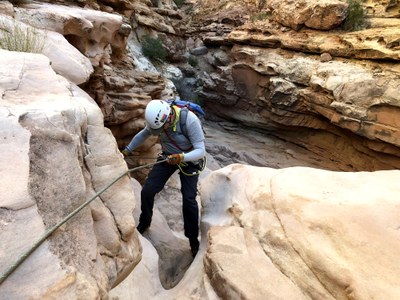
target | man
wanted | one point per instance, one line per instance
(183, 149)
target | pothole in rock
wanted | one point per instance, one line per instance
(174, 260)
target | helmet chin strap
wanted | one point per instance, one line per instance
(171, 118)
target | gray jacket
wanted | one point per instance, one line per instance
(193, 144)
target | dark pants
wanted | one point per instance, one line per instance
(155, 182)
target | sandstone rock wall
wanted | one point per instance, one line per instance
(301, 233)
(287, 75)
(56, 154)
(289, 233)
(63, 153)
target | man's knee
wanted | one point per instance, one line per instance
(190, 203)
(151, 188)
(146, 191)
(189, 193)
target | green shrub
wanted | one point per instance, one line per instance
(193, 61)
(153, 49)
(356, 16)
(20, 38)
(179, 3)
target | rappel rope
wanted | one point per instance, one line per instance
(25, 255)
(201, 165)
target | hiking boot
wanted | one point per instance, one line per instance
(194, 246)
(142, 228)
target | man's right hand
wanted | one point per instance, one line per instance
(175, 159)
(126, 152)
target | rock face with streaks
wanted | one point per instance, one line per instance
(301, 233)
(345, 87)
(290, 233)
(55, 155)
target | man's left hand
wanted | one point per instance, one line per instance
(126, 152)
(175, 159)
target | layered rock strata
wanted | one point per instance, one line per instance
(288, 76)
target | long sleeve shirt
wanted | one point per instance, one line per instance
(191, 144)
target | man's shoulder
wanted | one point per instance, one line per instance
(188, 114)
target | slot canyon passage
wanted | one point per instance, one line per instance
(300, 197)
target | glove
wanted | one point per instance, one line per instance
(175, 159)
(126, 152)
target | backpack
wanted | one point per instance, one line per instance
(189, 168)
(185, 106)
(194, 107)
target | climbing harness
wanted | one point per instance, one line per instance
(189, 168)
(22, 258)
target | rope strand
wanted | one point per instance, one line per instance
(25, 255)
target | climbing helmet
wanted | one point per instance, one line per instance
(156, 114)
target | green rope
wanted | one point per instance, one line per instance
(22, 258)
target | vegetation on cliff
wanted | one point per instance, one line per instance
(356, 16)
(153, 49)
(16, 37)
